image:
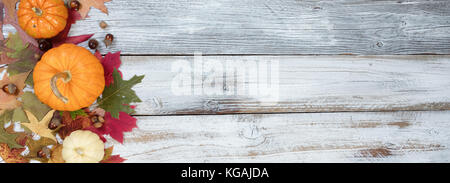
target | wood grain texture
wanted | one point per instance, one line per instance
(309, 137)
(306, 84)
(273, 26)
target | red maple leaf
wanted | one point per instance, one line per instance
(115, 127)
(114, 159)
(62, 37)
(109, 62)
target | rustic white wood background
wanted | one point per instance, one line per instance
(360, 80)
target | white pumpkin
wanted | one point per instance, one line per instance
(83, 146)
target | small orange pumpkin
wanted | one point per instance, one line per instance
(42, 18)
(68, 78)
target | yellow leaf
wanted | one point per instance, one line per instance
(40, 127)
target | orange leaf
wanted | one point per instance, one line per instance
(87, 4)
(11, 155)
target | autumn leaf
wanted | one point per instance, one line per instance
(34, 146)
(110, 62)
(62, 37)
(12, 155)
(87, 4)
(116, 127)
(8, 136)
(109, 158)
(24, 56)
(40, 127)
(56, 154)
(117, 96)
(70, 125)
(9, 101)
(31, 103)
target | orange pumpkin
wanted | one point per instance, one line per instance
(68, 78)
(42, 18)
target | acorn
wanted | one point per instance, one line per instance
(43, 153)
(55, 122)
(75, 5)
(109, 38)
(98, 125)
(45, 45)
(93, 44)
(103, 24)
(10, 89)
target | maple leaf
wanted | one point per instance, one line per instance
(116, 127)
(8, 101)
(24, 56)
(70, 125)
(62, 37)
(87, 4)
(31, 103)
(110, 62)
(109, 158)
(118, 95)
(40, 127)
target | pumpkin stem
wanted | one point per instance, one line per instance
(66, 76)
(37, 11)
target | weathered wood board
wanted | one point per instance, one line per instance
(419, 136)
(273, 26)
(306, 84)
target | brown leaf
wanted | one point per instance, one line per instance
(12, 155)
(34, 146)
(70, 125)
(10, 6)
(87, 4)
(56, 156)
(8, 101)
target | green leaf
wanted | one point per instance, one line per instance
(25, 56)
(6, 137)
(34, 105)
(74, 114)
(6, 117)
(19, 115)
(117, 96)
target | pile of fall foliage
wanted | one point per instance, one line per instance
(53, 107)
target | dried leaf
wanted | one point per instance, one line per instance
(10, 7)
(87, 4)
(24, 56)
(109, 158)
(31, 103)
(34, 146)
(8, 101)
(70, 125)
(117, 96)
(56, 155)
(12, 155)
(40, 127)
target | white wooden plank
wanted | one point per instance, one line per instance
(307, 137)
(306, 84)
(273, 26)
